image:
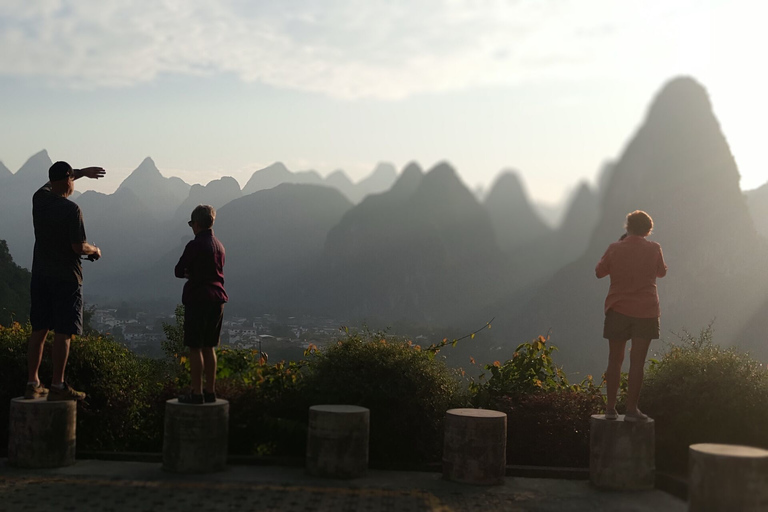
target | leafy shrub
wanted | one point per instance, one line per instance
(268, 414)
(407, 390)
(700, 392)
(547, 417)
(120, 412)
(549, 428)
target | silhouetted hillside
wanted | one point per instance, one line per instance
(757, 200)
(514, 219)
(5, 173)
(678, 168)
(579, 221)
(272, 237)
(16, 206)
(423, 251)
(378, 181)
(216, 193)
(14, 289)
(160, 195)
(123, 227)
(268, 177)
(341, 182)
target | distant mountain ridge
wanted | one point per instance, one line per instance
(382, 177)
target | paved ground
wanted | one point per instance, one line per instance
(107, 486)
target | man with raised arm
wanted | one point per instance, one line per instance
(57, 277)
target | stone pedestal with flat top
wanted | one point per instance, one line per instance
(337, 441)
(475, 446)
(727, 477)
(622, 453)
(41, 434)
(195, 437)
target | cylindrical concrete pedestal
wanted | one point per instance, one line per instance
(41, 434)
(337, 441)
(475, 446)
(727, 477)
(195, 437)
(622, 454)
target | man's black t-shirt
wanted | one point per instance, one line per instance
(58, 224)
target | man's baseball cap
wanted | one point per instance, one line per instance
(60, 171)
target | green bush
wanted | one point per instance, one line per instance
(124, 390)
(549, 428)
(702, 393)
(407, 390)
(547, 417)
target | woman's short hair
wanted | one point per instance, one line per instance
(639, 223)
(204, 215)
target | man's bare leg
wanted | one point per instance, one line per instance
(209, 359)
(60, 356)
(35, 347)
(196, 369)
(613, 373)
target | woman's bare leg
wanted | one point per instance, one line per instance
(637, 354)
(613, 373)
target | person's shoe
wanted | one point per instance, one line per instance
(56, 394)
(635, 416)
(33, 391)
(209, 398)
(191, 398)
(611, 414)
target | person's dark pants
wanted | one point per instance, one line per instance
(202, 324)
(57, 305)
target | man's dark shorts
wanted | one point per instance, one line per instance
(202, 324)
(57, 305)
(623, 327)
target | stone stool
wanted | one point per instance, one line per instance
(337, 441)
(727, 477)
(622, 453)
(41, 434)
(195, 437)
(475, 446)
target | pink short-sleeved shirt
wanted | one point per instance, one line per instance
(633, 264)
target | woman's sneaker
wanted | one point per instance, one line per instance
(33, 391)
(66, 392)
(635, 416)
(191, 398)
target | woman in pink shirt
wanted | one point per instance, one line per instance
(631, 308)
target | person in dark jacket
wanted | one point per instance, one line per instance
(57, 277)
(202, 265)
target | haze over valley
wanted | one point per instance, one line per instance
(416, 248)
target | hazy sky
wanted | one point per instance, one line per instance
(552, 88)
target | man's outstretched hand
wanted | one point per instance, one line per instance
(90, 172)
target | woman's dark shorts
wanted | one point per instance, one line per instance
(57, 305)
(202, 324)
(623, 327)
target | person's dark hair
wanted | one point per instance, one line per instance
(204, 215)
(639, 223)
(60, 171)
